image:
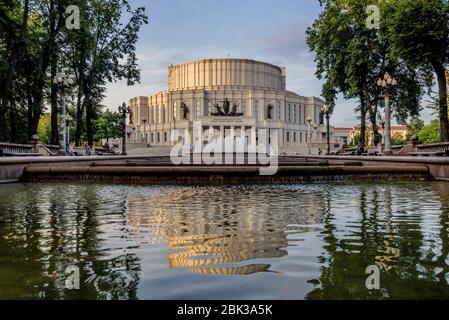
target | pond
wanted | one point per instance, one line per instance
(309, 241)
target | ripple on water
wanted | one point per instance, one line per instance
(283, 241)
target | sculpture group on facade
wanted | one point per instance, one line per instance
(226, 111)
(185, 111)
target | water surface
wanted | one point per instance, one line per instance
(311, 241)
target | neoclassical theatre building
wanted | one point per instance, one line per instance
(228, 96)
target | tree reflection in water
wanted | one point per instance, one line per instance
(42, 233)
(388, 233)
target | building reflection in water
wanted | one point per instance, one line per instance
(118, 235)
(207, 229)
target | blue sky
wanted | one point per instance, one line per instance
(268, 30)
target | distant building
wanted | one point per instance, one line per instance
(349, 136)
(342, 135)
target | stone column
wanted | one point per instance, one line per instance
(253, 136)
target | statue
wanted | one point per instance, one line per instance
(131, 117)
(226, 106)
(185, 110)
(219, 111)
(234, 109)
(226, 111)
(269, 109)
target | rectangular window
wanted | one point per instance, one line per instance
(152, 114)
(158, 137)
(256, 110)
(265, 111)
(152, 138)
(165, 136)
(294, 113)
(198, 109)
(288, 137)
(208, 111)
(175, 110)
(294, 137)
(160, 113)
(289, 113)
(278, 110)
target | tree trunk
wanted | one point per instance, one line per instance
(372, 110)
(442, 100)
(12, 122)
(54, 139)
(362, 120)
(90, 124)
(79, 112)
(30, 108)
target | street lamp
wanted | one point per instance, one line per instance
(327, 110)
(62, 82)
(382, 125)
(387, 84)
(309, 121)
(124, 111)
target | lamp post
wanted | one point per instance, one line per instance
(124, 111)
(309, 134)
(326, 110)
(387, 84)
(382, 124)
(62, 82)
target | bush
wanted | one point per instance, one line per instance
(430, 133)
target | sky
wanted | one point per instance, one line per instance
(272, 31)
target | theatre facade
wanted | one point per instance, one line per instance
(226, 97)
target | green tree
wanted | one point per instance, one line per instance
(418, 33)
(33, 33)
(430, 133)
(13, 31)
(351, 58)
(108, 125)
(44, 129)
(102, 51)
(398, 139)
(414, 127)
(357, 139)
